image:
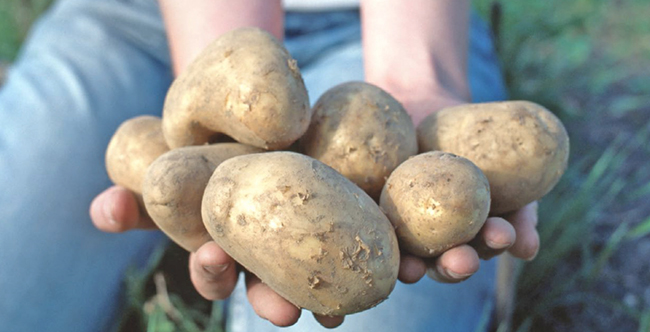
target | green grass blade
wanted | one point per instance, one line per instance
(188, 317)
(159, 322)
(486, 315)
(607, 252)
(216, 322)
(641, 230)
(644, 324)
(526, 325)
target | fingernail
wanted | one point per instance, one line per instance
(533, 256)
(107, 208)
(456, 276)
(497, 246)
(216, 269)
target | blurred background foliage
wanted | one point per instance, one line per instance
(16, 18)
(586, 60)
(589, 62)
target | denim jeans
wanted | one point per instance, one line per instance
(87, 66)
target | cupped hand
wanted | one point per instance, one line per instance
(514, 232)
(213, 272)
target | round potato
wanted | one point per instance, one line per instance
(362, 132)
(245, 85)
(134, 146)
(522, 148)
(436, 201)
(313, 236)
(173, 189)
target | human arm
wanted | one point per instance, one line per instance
(192, 25)
(417, 51)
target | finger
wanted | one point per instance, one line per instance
(524, 222)
(528, 212)
(496, 236)
(454, 265)
(329, 322)
(411, 269)
(269, 305)
(213, 272)
(116, 210)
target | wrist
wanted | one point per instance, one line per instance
(421, 95)
(416, 50)
(420, 82)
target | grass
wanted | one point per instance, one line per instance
(568, 223)
(587, 60)
(161, 298)
(576, 57)
(16, 18)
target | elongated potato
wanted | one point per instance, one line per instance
(245, 85)
(362, 132)
(522, 148)
(134, 146)
(313, 236)
(173, 189)
(436, 201)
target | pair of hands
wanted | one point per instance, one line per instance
(214, 273)
(411, 49)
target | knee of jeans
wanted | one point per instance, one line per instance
(484, 70)
(340, 65)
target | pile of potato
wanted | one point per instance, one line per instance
(323, 224)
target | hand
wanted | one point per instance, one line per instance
(514, 232)
(213, 272)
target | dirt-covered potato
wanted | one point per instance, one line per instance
(362, 132)
(245, 85)
(305, 230)
(522, 148)
(436, 201)
(173, 189)
(134, 146)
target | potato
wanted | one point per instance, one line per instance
(134, 146)
(313, 236)
(245, 85)
(362, 132)
(436, 201)
(173, 189)
(522, 148)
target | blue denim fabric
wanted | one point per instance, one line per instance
(87, 66)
